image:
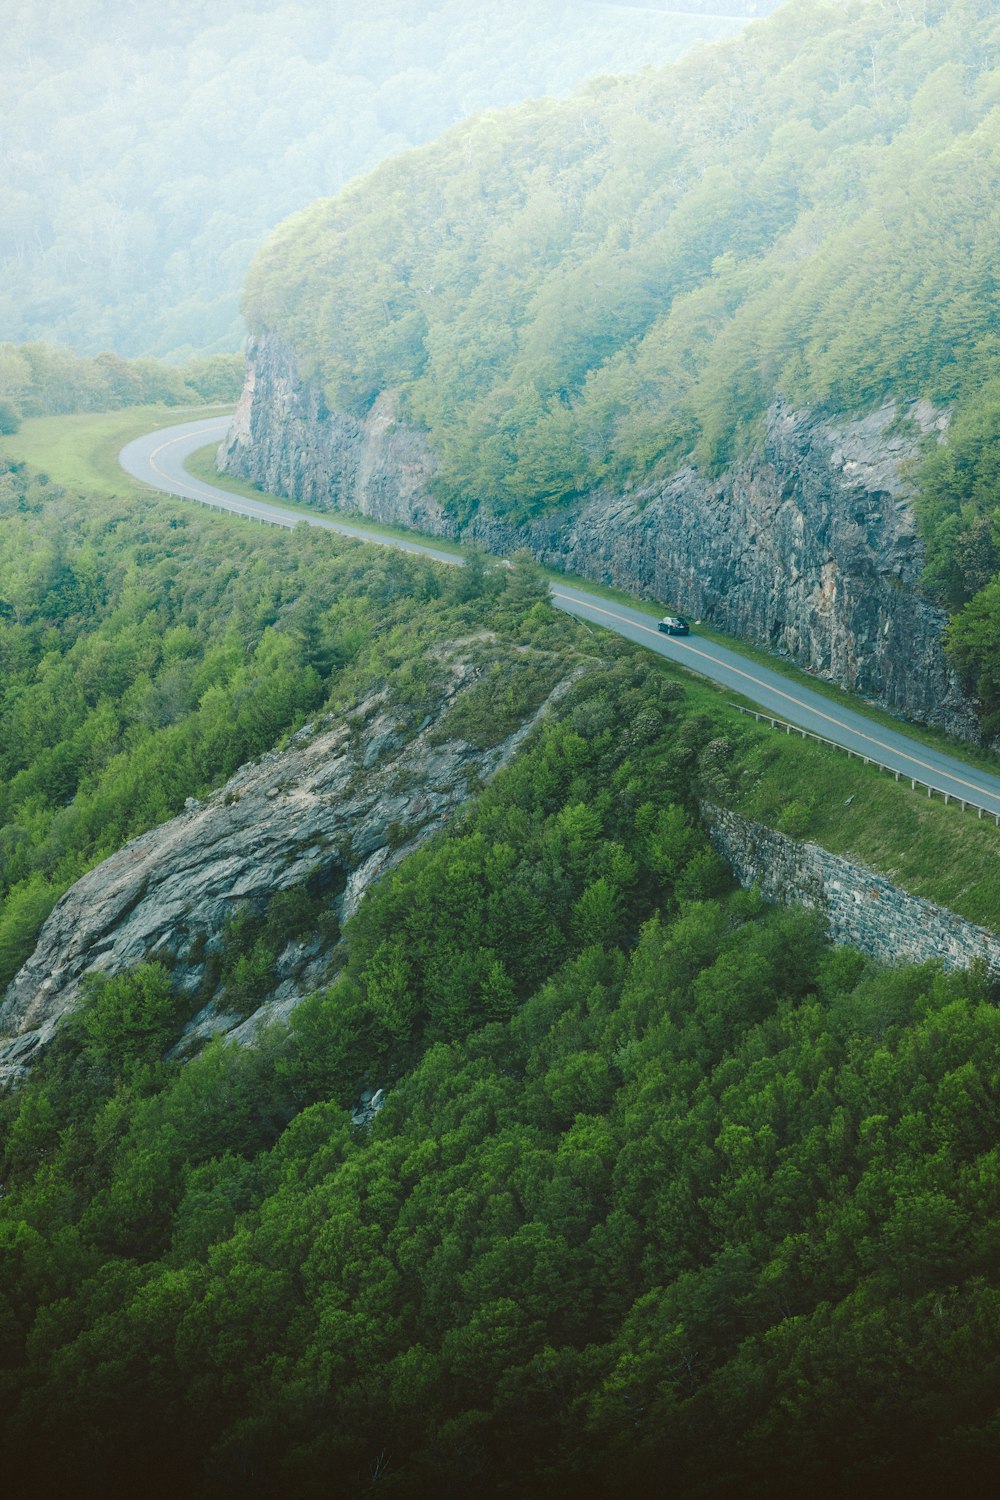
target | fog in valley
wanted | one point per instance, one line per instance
(148, 150)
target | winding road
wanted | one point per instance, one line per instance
(158, 460)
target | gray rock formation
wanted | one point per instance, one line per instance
(862, 908)
(285, 438)
(809, 546)
(341, 806)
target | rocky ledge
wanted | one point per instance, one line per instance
(809, 546)
(344, 803)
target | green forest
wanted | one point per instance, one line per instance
(148, 151)
(662, 1182)
(666, 1194)
(600, 290)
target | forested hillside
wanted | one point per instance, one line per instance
(146, 654)
(39, 380)
(662, 1185)
(148, 151)
(589, 292)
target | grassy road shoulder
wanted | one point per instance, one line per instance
(81, 451)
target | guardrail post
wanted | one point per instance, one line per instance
(880, 765)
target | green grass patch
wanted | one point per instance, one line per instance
(81, 450)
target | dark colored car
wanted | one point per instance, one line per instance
(674, 625)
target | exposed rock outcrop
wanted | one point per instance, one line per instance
(809, 546)
(337, 809)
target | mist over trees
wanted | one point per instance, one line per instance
(49, 380)
(599, 289)
(149, 150)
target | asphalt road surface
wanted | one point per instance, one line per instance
(158, 460)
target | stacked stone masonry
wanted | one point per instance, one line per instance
(863, 909)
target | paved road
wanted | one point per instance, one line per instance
(158, 460)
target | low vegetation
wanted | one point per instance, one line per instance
(810, 792)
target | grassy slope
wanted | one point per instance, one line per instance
(937, 852)
(934, 851)
(81, 451)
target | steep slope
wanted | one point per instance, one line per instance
(626, 296)
(323, 818)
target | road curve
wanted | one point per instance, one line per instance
(158, 461)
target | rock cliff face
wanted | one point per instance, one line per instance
(809, 547)
(342, 805)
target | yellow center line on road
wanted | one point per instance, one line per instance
(789, 697)
(216, 495)
(213, 494)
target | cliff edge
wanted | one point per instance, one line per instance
(344, 803)
(808, 547)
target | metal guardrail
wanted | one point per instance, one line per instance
(753, 713)
(870, 760)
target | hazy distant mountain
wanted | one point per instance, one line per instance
(148, 151)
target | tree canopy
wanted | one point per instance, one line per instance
(599, 290)
(48, 380)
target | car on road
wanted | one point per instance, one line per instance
(674, 625)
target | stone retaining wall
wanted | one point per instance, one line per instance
(863, 909)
